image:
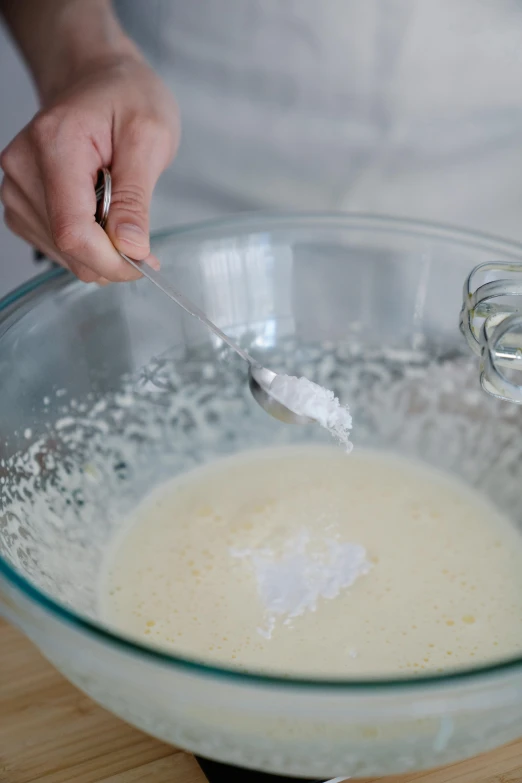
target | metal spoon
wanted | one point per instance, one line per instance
(259, 378)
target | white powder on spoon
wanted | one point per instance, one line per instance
(306, 398)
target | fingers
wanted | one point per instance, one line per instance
(48, 195)
(22, 219)
(25, 193)
(21, 173)
(23, 222)
(123, 118)
(69, 163)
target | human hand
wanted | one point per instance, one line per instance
(117, 113)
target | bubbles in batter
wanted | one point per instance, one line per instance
(304, 561)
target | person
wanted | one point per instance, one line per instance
(388, 106)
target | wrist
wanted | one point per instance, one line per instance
(87, 36)
(61, 39)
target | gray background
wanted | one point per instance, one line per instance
(18, 105)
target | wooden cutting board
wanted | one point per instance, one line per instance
(52, 733)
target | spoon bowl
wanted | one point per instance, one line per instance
(260, 380)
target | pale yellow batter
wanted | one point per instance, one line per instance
(307, 561)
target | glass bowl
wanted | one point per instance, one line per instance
(107, 391)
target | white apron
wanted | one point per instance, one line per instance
(401, 107)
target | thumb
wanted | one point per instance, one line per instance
(128, 222)
(134, 176)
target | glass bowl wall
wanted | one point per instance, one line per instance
(106, 392)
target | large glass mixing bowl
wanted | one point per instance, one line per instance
(106, 391)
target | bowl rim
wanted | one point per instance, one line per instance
(262, 223)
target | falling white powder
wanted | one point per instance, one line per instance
(306, 398)
(291, 583)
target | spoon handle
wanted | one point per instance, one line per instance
(103, 190)
(186, 304)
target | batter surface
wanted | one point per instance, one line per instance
(307, 561)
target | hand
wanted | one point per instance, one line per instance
(117, 113)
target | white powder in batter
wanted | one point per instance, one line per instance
(291, 584)
(306, 398)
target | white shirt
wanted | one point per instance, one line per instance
(402, 107)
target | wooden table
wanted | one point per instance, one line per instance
(52, 733)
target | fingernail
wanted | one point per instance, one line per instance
(133, 234)
(153, 262)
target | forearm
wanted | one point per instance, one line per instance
(59, 38)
